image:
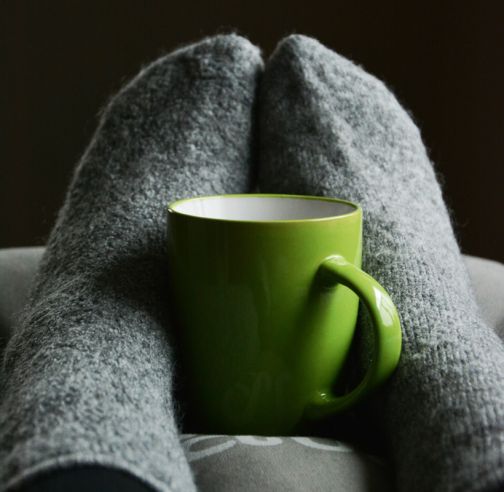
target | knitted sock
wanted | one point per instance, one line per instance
(88, 373)
(328, 128)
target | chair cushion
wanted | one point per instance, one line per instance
(290, 464)
(250, 463)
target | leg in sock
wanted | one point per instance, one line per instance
(87, 377)
(329, 128)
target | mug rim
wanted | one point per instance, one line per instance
(357, 209)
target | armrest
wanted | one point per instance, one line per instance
(17, 270)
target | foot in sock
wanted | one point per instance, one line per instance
(88, 373)
(329, 128)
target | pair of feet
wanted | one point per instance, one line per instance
(212, 118)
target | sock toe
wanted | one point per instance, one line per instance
(230, 47)
(344, 89)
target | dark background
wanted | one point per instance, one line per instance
(61, 60)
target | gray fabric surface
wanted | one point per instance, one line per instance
(93, 340)
(488, 281)
(283, 464)
(17, 270)
(328, 128)
(245, 463)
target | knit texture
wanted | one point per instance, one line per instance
(88, 373)
(328, 128)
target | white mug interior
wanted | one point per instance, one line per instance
(262, 208)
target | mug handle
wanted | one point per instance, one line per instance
(387, 335)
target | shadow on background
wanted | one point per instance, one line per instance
(61, 61)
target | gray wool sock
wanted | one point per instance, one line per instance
(88, 373)
(328, 128)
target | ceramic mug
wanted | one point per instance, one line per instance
(265, 289)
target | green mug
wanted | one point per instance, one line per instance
(266, 290)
